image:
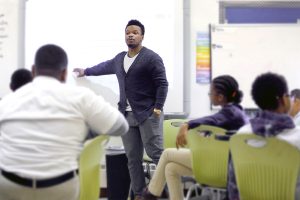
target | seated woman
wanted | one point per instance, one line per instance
(270, 93)
(174, 163)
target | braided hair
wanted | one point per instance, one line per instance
(228, 87)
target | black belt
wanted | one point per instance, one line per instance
(38, 183)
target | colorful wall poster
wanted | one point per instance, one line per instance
(203, 58)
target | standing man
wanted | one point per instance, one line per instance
(143, 90)
(43, 126)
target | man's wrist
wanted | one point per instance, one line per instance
(157, 111)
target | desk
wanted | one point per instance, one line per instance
(118, 179)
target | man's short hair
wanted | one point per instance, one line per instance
(267, 88)
(295, 93)
(19, 78)
(51, 57)
(135, 22)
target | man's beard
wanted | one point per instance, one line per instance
(132, 46)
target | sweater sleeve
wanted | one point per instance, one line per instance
(219, 119)
(103, 68)
(160, 82)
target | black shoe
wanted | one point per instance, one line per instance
(147, 195)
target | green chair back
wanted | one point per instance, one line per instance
(89, 168)
(265, 168)
(170, 130)
(209, 156)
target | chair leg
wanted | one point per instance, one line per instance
(217, 194)
(149, 169)
(191, 189)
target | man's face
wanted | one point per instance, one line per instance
(133, 36)
(295, 106)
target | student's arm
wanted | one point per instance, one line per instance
(181, 136)
(120, 127)
(217, 119)
(101, 117)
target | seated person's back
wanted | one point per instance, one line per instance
(43, 127)
(270, 93)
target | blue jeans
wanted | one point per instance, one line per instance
(148, 135)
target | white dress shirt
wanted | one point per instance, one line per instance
(43, 126)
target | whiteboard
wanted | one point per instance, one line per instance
(92, 31)
(11, 41)
(245, 51)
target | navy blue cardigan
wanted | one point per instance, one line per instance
(144, 85)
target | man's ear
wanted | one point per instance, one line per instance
(11, 86)
(297, 103)
(63, 75)
(285, 104)
(33, 71)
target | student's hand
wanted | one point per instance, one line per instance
(79, 72)
(181, 136)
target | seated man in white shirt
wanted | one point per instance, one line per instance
(43, 126)
(295, 107)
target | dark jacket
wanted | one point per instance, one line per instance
(230, 117)
(144, 85)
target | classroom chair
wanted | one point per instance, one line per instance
(265, 168)
(89, 168)
(209, 160)
(170, 130)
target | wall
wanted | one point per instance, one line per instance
(12, 15)
(202, 13)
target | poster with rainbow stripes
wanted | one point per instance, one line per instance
(203, 58)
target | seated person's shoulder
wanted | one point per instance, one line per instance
(292, 136)
(246, 129)
(295, 132)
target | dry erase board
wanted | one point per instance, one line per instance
(92, 31)
(11, 41)
(245, 51)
